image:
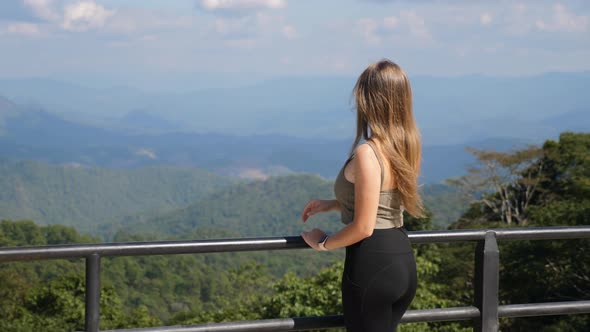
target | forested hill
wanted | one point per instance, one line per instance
(171, 201)
(86, 196)
(259, 208)
(270, 208)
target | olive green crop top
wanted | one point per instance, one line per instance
(389, 211)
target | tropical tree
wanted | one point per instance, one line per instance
(504, 182)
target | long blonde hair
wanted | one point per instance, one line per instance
(384, 112)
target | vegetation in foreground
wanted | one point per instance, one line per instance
(548, 186)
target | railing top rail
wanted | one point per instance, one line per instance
(502, 234)
(270, 243)
(411, 316)
(308, 323)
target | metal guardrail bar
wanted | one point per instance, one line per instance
(542, 233)
(486, 283)
(267, 325)
(411, 316)
(307, 323)
(269, 243)
(91, 318)
(502, 234)
(150, 248)
(544, 309)
(485, 314)
(440, 315)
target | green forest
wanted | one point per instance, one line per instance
(86, 196)
(534, 186)
(102, 201)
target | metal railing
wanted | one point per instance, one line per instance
(484, 313)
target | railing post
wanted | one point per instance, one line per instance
(487, 264)
(92, 293)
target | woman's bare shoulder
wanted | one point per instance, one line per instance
(366, 158)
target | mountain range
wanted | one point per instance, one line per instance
(449, 110)
(86, 197)
(173, 202)
(28, 133)
(190, 141)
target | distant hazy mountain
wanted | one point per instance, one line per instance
(472, 108)
(38, 135)
(142, 121)
(577, 120)
(7, 110)
(72, 99)
(450, 110)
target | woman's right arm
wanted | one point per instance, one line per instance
(319, 205)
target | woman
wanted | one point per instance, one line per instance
(376, 184)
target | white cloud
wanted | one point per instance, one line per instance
(163, 36)
(24, 28)
(564, 20)
(485, 19)
(252, 30)
(290, 32)
(391, 22)
(518, 20)
(247, 23)
(43, 9)
(149, 37)
(241, 5)
(368, 28)
(241, 43)
(143, 22)
(266, 20)
(408, 25)
(85, 15)
(416, 24)
(234, 27)
(286, 60)
(523, 20)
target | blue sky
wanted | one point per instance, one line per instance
(129, 42)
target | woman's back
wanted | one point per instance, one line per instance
(389, 211)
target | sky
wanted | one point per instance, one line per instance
(157, 44)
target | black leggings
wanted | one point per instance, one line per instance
(379, 281)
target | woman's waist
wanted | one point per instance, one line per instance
(388, 240)
(385, 219)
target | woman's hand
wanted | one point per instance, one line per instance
(317, 205)
(313, 237)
